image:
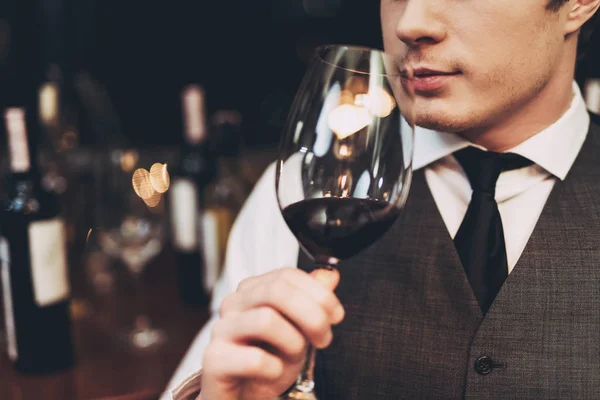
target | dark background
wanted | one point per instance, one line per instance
(249, 55)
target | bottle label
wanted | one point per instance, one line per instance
(215, 226)
(48, 257)
(194, 113)
(184, 215)
(17, 139)
(9, 316)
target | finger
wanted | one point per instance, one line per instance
(264, 325)
(270, 276)
(224, 360)
(322, 292)
(329, 278)
(319, 285)
(294, 303)
(248, 283)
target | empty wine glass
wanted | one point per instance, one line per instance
(131, 219)
(345, 159)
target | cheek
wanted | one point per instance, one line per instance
(512, 61)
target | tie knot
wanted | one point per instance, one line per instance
(484, 167)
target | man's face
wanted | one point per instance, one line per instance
(489, 58)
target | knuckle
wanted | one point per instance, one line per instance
(275, 293)
(319, 323)
(256, 361)
(290, 272)
(328, 300)
(243, 284)
(212, 357)
(294, 274)
(297, 347)
(266, 318)
(226, 304)
(217, 329)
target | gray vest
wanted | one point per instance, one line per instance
(413, 328)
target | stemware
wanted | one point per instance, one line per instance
(131, 224)
(345, 159)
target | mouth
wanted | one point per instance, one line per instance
(427, 81)
(426, 72)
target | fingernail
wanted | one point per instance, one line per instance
(325, 277)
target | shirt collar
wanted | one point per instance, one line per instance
(548, 148)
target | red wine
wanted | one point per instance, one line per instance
(33, 263)
(338, 227)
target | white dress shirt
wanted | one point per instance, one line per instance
(260, 240)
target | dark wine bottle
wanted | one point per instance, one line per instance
(224, 197)
(33, 258)
(195, 170)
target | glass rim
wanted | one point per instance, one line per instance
(322, 49)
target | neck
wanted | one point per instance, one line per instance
(521, 122)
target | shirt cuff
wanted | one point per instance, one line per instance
(188, 389)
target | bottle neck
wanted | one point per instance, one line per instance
(194, 115)
(229, 165)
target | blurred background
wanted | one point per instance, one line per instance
(118, 142)
(249, 56)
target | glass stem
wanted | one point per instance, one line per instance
(305, 384)
(141, 321)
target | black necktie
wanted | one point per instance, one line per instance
(480, 238)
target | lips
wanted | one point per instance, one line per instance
(426, 72)
(428, 81)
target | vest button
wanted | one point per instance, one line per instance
(484, 365)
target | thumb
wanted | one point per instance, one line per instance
(329, 278)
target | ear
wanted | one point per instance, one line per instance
(579, 11)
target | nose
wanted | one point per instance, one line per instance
(418, 25)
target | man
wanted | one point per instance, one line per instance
(417, 322)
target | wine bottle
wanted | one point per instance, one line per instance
(33, 258)
(225, 196)
(195, 170)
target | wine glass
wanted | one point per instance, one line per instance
(130, 223)
(345, 159)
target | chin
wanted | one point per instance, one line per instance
(442, 114)
(443, 122)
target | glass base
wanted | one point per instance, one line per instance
(303, 390)
(144, 336)
(299, 395)
(147, 338)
